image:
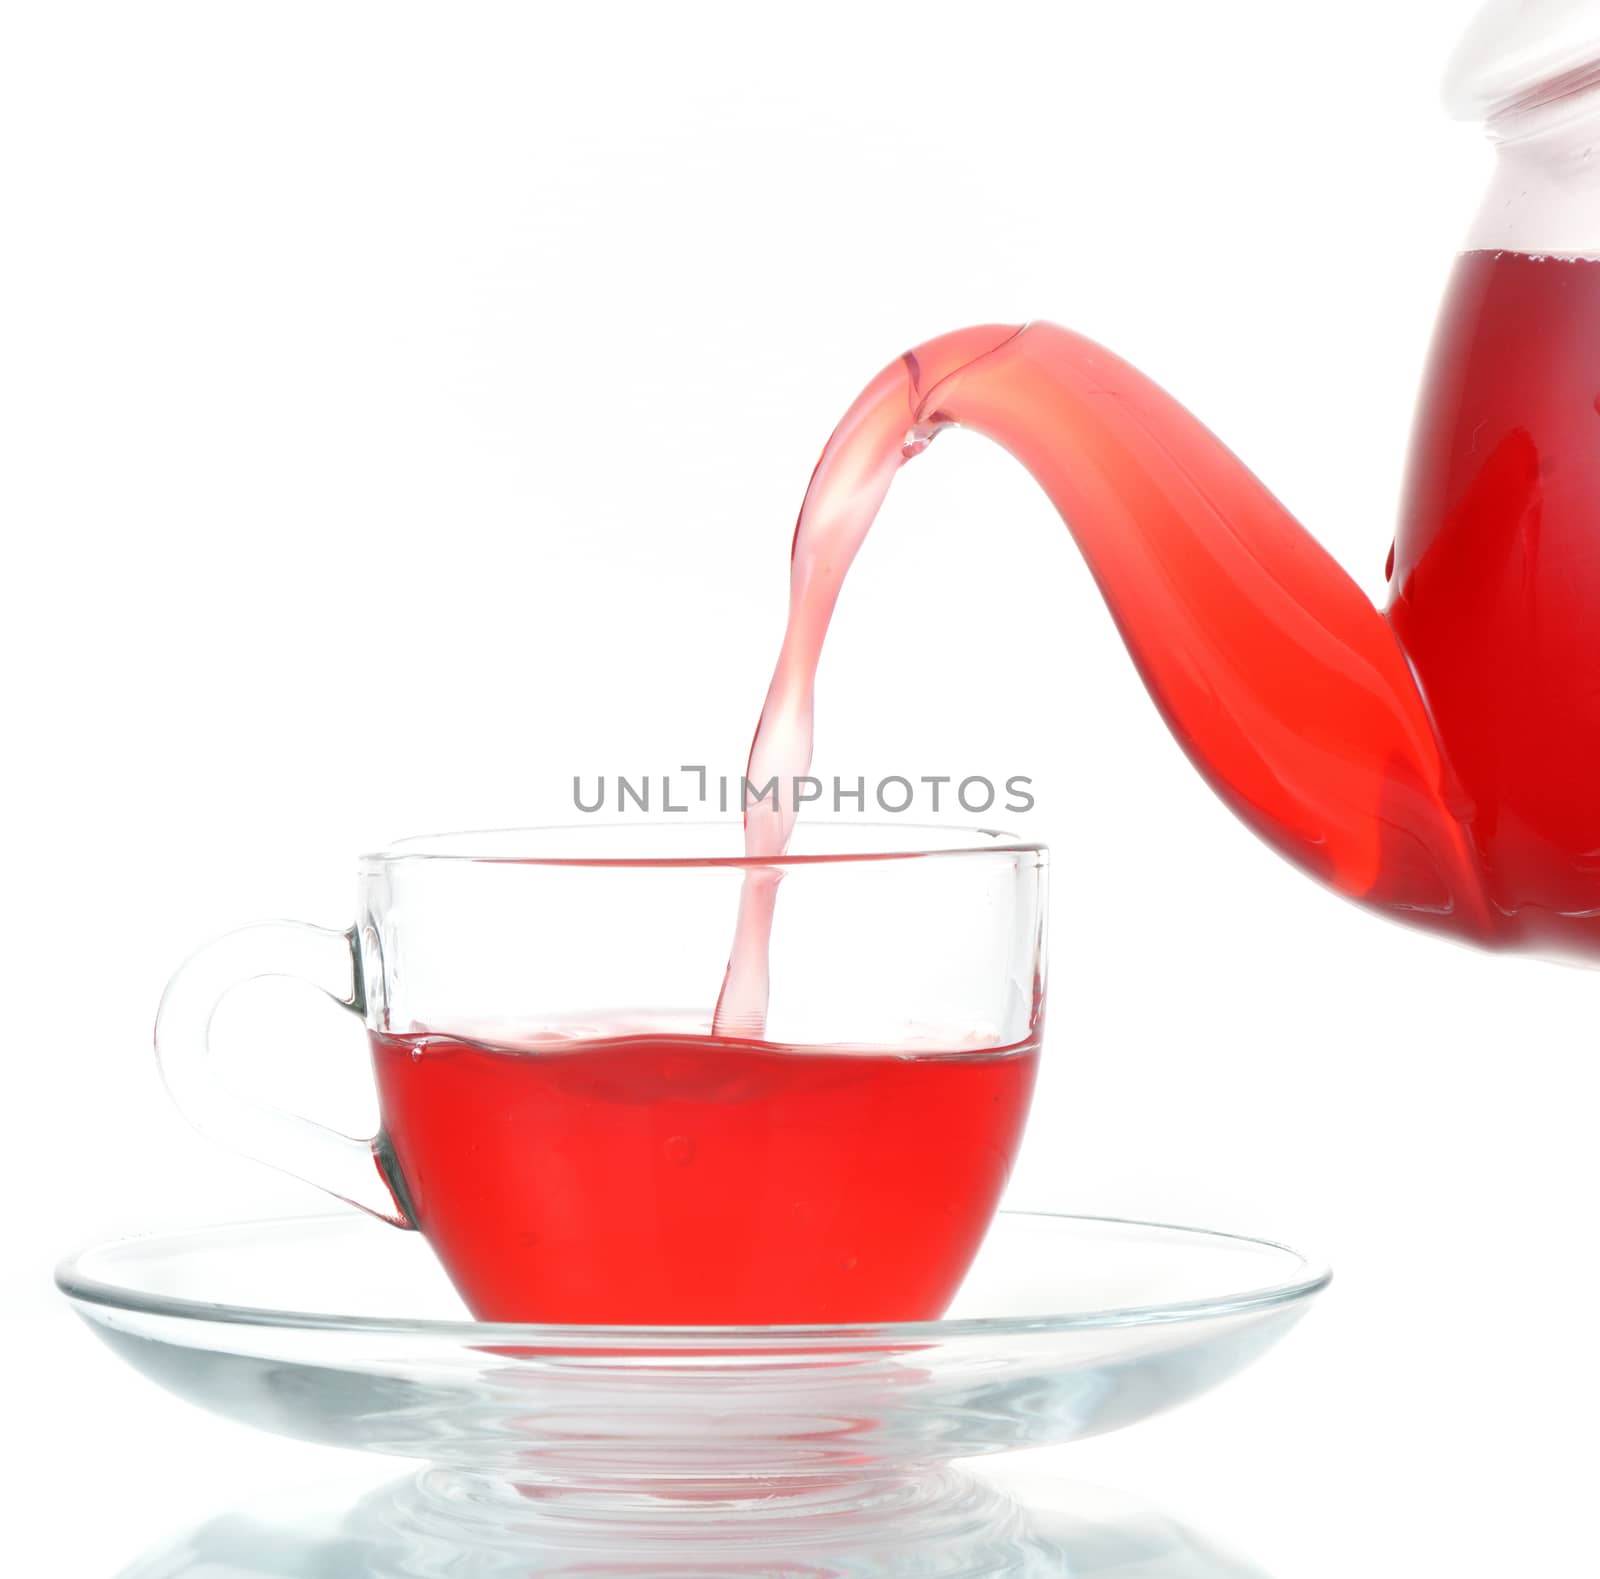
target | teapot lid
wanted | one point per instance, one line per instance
(1518, 53)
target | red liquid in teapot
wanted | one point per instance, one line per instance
(688, 1179)
(1496, 582)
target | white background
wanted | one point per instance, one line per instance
(406, 408)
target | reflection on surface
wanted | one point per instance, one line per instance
(951, 1525)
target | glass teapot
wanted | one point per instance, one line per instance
(1438, 760)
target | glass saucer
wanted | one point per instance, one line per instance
(337, 1329)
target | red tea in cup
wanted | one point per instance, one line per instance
(666, 1179)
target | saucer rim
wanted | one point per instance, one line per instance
(86, 1290)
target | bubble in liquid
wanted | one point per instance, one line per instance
(679, 1150)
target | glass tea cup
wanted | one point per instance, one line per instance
(560, 1121)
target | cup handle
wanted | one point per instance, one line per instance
(345, 1167)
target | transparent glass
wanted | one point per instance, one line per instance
(845, 1163)
(883, 932)
(333, 1330)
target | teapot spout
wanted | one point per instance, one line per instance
(1283, 683)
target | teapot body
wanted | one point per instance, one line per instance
(1495, 582)
(1494, 590)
